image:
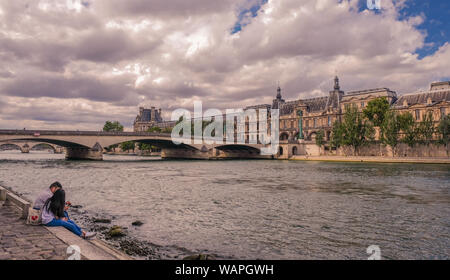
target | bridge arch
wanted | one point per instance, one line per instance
(2, 145)
(157, 142)
(62, 143)
(50, 146)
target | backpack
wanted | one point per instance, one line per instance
(34, 217)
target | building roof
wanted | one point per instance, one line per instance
(422, 98)
(316, 104)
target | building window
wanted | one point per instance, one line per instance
(315, 122)
(417, 115)
(329, 120)
(442, 109)
(362, 104)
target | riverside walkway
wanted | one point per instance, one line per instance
(19, 241)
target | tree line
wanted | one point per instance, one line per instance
(357, 129)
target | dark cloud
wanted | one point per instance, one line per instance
(157, 8)
(58, 86)
(112, 46)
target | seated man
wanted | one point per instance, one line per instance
(45, 195)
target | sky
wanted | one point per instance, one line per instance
(74, 64)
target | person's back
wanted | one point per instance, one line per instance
(46, 215)
(45, 195)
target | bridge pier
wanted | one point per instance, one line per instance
(83, 154)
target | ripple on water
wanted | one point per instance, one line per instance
(256, 209)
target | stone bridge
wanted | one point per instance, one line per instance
(90, 144)
(26, 146)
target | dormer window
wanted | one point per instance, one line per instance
(405, 103)
(429, 101)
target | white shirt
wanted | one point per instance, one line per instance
(47, 216)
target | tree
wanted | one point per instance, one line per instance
(126, 146)
(144, 146)
(426, 128)
(376, 110)
(356, 130)
(154, 129)
(408, 127)
(113, 126)
(390, 129)
(444, 130)
(320, 138)
(337, 134)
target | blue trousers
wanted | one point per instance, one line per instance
(69, 224)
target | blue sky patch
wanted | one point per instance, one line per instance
(436, 24)
(245, 13)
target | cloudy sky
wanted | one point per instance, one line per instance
(75, 64)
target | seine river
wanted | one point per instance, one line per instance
(256, 209)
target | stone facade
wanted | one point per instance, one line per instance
(311, 115)
(436, 101)
(300, 120)
(149, 118)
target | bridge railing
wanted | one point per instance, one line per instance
(37, 133)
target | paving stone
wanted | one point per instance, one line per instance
(25, 242)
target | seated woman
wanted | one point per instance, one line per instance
(54, 215)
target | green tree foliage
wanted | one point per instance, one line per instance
(144, 146)
(126, 146)
(113, 126)
(376, 110)
(154, 129)
(408, 127)
(337, 134)
(444, 130)
(426, 128)
(390, 130)
(320, 135)
(354, 130)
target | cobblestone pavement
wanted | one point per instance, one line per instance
(19, 241)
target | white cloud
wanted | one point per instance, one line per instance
(114, 55)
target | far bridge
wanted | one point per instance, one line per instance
(90, 144)
(27, 146)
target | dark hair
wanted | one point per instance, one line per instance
(56, 203)
(56, 185)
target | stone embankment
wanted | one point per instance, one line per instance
(373, 159)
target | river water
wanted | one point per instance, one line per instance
(256, 209)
